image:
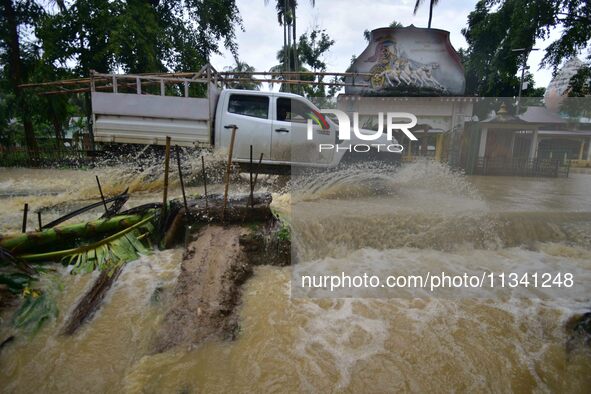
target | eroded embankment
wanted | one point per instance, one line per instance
(213, 268)
(218, 260)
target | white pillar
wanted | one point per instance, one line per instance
(482, 149)
(533, 147)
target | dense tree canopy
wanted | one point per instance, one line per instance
(312, 49)
(497, 27)
(241, 81)
(41, 41)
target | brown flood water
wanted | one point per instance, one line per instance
(504, 341)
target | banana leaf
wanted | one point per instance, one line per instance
(106, 254)
(34, 311)
(15, 281)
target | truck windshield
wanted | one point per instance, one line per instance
(249, 105)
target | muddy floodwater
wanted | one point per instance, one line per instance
(422, 215)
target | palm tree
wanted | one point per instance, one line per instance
(284, 66)
(432, 3)
(244, 81)
(286, 16)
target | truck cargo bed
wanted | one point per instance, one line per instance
(139, 118)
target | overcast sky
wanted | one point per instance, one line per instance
(345, 21)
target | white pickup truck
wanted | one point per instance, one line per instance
(274, 123)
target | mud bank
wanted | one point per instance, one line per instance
(217, 261)
(208, 289)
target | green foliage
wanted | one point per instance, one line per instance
(393, 24)
(106, 254)
(578, 103)
(15, 274)
(312, 48)
(35, 310)
(240, 67)
(284, 233)
(46, 41)
(575, 18)
(579, 83)
(496, 27)
(15, 281)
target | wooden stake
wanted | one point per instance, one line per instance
(39, 219)
(25, 212)
(166, 170)
(229, 168)
(251, 185)
(204, 180)
(101, 192)
(178, 162)
(256, 175)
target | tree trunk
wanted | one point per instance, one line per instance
(89, 124)
(91, 300)
(285, 54)
(15, 71)
(295, 41)
(430, 12)
(30, 138)
(59, 134)
(295, 45)
(54, 238)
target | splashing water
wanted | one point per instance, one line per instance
(379, 219)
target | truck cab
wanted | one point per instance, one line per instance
(275, 124)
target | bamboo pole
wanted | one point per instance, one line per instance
(101, 192)
(228, 168)
(204, 179)
(25, 212)
(105, 77)
(295, 81)
(227, 81)
(250, 172)
(77, 212)
(225, 77)
(310, 73)
(256, 175)
(166, 170)
(178, 162)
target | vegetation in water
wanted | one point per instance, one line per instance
(106, 254)
(36, 309)
(113, 251)
(284, 233)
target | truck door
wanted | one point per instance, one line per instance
(289, 143)
(250, 112)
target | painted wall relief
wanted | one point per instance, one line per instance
(409, 61)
